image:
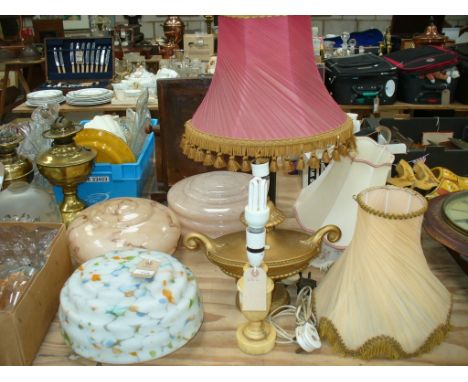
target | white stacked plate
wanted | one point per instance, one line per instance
(43, 97)
(89, 97)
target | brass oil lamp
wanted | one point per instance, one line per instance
(17, 167)
(66, 164)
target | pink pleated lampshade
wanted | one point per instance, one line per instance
(267, 98)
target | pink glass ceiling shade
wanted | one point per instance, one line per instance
(266, 92)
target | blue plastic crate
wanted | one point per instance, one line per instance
(108, 181)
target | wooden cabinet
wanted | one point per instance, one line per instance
(178, 99)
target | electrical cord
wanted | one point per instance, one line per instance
(305, 334)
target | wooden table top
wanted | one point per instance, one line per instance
(65, 108)
(25, 61)
(456, 106)
(215, 343)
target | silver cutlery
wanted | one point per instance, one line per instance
(79, 57)
(93, 52)
(107, 59)
(87, 56)
(72, 57)
(62, 65)
(57, 63)
(96, 62)
(103, 55)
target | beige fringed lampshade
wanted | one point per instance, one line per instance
(380, 299)
(267, 98)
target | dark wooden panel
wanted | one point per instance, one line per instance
(178, 99)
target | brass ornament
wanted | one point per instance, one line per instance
(16, 167)
(66, 165)
(288, 252)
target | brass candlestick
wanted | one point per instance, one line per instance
(209, 22)
(66, 164)
(256, 336)
(17, 167)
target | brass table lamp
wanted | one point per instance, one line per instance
(66, 164)
(17, 167)
(287, 253)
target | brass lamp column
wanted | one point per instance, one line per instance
(17, 167)
(66, 164)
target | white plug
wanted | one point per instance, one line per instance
(307, 337)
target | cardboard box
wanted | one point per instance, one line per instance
(454, 159)
(23, 328)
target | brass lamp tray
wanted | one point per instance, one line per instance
(287, 252)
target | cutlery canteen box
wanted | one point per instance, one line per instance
(78, 63)
(360, 79)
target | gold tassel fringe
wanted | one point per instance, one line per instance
(192, 152)
(336, 155)
(273, 165)
(314, 162)
(219, 161)
(380, 346)
(186, 148)
(209, 160)
(182, 142)
(343, 149)
(246, 167)
(268, 149)
(232, 164)
(300, 163)
(199, 156)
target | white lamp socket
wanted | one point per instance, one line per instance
(256, 219)
(255, 240)
(260, 170)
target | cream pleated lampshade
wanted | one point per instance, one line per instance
(380, 299)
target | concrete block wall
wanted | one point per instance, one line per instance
(332, 24)
(337, 24)
(151, 25)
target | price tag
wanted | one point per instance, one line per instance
(254, 295)
(445, 97)
(146, 269)
(376, 104)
